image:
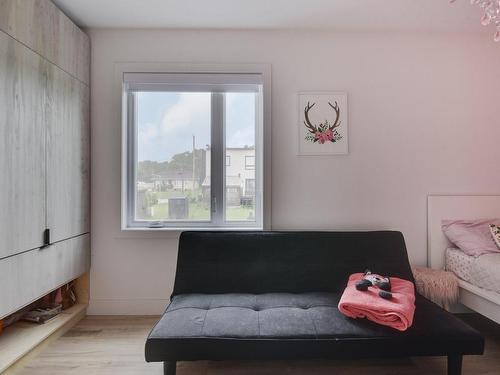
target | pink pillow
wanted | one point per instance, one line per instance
(473, 237)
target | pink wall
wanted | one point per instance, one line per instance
(423, 112)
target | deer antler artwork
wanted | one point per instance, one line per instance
(326, 131)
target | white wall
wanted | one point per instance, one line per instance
(424, 118)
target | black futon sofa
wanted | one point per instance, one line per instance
(274, 295)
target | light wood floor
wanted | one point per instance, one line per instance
(115, 346)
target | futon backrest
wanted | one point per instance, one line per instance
(295, 262)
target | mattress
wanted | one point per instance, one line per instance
(483, 271)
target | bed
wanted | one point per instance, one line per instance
(481, 296)
(483, 271)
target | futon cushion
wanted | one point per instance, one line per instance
(287, 326)
(269, 315)
(287, 262)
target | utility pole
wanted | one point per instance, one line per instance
(194, 149)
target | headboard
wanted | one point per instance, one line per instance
(451, 207)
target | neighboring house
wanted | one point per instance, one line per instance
(240, 175)
(145, 186)
(181, 181)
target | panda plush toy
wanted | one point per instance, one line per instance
(380, 282)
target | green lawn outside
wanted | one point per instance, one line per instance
(239, 213)
(171, 194)
(198, 211)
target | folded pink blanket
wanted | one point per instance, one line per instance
(396, 312)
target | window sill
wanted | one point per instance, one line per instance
(169, 233)
(177, 229)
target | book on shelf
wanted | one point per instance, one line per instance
(42, 315)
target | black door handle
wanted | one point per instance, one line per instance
(46, 238)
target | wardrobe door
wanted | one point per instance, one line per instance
(30, 275)
(43, 28)
(22, 147)
(68, 163)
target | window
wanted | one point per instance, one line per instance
(249, 186)
(250, 162)
(193, 150)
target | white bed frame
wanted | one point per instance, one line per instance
(452, 207)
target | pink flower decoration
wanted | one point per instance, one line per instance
(319, 137)
(323, 137)
(329, 135)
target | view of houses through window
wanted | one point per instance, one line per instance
(240, 141)
(173, 179)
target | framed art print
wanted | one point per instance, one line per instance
(323, 123)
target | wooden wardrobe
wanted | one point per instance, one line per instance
(44, 151)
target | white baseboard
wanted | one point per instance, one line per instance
(127, 306)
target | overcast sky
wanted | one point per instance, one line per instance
(167, 122)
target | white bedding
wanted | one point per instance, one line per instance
(483, 271)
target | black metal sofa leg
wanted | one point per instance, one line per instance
(455, 364)
(169, 368)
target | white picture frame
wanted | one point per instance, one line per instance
(323, 123)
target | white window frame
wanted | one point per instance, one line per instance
(263, 132)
